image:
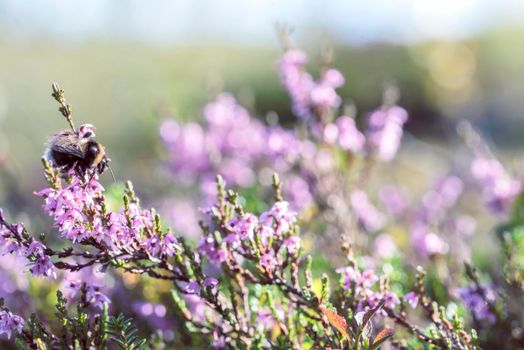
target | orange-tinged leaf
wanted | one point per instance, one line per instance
(335, 320)
(382, 336)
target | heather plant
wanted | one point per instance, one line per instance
(310, 258)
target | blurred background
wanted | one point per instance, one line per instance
(127, 65)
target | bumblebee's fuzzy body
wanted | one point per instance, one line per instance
(67, 150)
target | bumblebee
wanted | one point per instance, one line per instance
(77, 150)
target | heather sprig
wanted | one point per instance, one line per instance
(260, 271)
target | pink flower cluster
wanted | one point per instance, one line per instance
(266, 234)
(307, 94)
(498, 187)
(385, 129)
(433, 215)
(478, 300)
(11, 243)
(237, 146)
(10, 323)
(344, 133)
(363, 286)
(231, 143)
(93, 293)
(368, 215)
(79, 214)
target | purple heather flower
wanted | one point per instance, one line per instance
(426, 242)
(210, 282)
(159, 246)
(297, 190)
(86, 130)
(96, 297)
(292, 244)
(412, 299)
(268, 261)
(297, 81)
(499, 188)
(384, 246)
(385, 131)
(282, 216)
(183, 216)
(169, 244)
(443, 196)
(9, 244)
(390, 300)
(10, 323)
(74, 286)
(14, 247)
(366, 213)
(35, 248)
(373, 298)
(333, 77)
(305, 93)
(187, 148)
(349, 137)
(324, 96)
(465, 225)
(208, 248)
(79, 216)
(368, 278)
(245, 226)
(393, 200)
(349, 275)
(197, 306)
(476, 300)
(191, 287)
(43, 267)
(219, 341)
(265, 232)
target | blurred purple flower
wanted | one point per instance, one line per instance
(499, 188)
(298, 192)
(412, 299)
(426, 242)
(10, 323)
(391, 300)
(219, 341)
(210, 282)
(43, 267)
(477, 301)
(191, 287)
(349, 137)
(367, 214)
(307, 94)
(297, 81)
(384, 246)
(393, 200)
(385, 131)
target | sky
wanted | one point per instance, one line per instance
(251, 22)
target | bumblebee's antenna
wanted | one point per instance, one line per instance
(112, 174)
(65, 108)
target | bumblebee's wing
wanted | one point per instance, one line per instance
(67, 143)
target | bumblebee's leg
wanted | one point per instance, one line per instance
(66, 169)
(102, 166)
(92, 175)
